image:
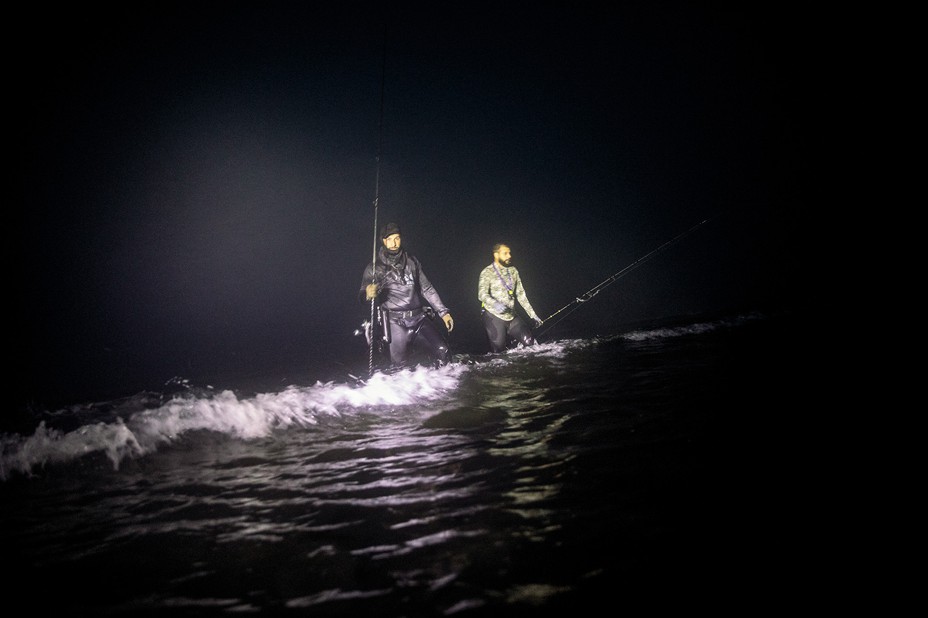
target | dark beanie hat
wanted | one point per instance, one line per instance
(389, 229)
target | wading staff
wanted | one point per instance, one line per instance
(575, 303)
(373, 323)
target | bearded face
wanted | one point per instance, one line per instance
(504, 255)
(392, 243)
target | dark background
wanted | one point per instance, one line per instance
(196, 182)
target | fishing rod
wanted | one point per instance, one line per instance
(610, 280)
(373, 339)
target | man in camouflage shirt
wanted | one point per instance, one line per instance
(498, 290)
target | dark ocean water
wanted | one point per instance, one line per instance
(651, 469)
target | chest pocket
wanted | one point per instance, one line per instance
(404, 277)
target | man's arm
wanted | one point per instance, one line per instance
(368, 285)
(483, 288)
(430, 294)
(523, 300)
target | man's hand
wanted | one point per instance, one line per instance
(449, 321)
(538, 322)
(371, 291)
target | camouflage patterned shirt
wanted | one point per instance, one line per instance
(498, 290)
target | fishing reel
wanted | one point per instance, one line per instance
(367, 330)
(364, 330)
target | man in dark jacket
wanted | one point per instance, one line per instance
(406, 299)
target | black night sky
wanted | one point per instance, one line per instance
(195, 181)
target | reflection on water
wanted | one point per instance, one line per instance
(536, 479)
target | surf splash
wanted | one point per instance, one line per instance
(144, 432)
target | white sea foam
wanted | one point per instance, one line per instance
(246, 418)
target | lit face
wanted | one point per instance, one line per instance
(503, 256)
(392, 242)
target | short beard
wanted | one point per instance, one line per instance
(505, 262)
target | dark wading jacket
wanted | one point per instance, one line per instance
(401, 282)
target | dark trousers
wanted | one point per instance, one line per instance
(420, 331)
(500, 332)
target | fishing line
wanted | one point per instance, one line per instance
(589, 294)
